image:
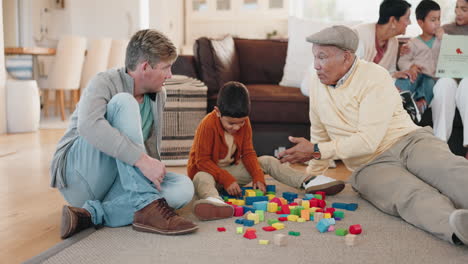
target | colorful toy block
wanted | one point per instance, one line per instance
(339, 214)
(346, 206)
(305, 214)
(239, 202)
(352, 207)
(301, 220)
(261, 215)
(260, 205)
(249, 200)
(331, 228)
(276, 200)
(250, 235)
(322, 226)
(283, 219)
(293, 233)
(250, 229)
(221, 229)
(308, 196)
(305, 204)
(355, 229)
(272, 221)
(269, 228)
(321, 193)
(248, 222)
(293, 218)
(318, 196)
(239, 230)
(272, 207)
(278, 226)
(250, 193)
(238, 211)
(263, 242)
(285, 209)
(248, 209)
(283, 201)
(270, 196)
(341, 232)
(318, 216)
(254, 217)
(350, 240)
(290, 196)
(240, 221)
(258, 192)
(298, 201)
(280, 240)
(271, 188)
(326, 215)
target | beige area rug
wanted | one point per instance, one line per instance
(385, 239)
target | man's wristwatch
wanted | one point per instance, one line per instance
(316, 154)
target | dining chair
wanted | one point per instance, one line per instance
(65, 73)
(96, 60)
(117, 53)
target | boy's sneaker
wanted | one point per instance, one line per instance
(158, 217)
(212, 208)
(74, 220)
(458, 222)
(410, 106)
(323, 183)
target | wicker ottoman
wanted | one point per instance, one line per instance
(185, 108)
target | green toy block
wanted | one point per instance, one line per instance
(318, 196)
(239, 230)
(293, 233)
(341, 232)
(339, 214)
(225, 198)
(258, 192)
(272, 221)
(273, 193)
(261, 215)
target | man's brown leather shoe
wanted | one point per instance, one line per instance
(74, 220)
(158, 217)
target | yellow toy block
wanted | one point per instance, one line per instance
(313, 209)
(278, 226)
(293, 218)
(263, 242)
(301, 220)
(254, 217)
(292, 207)
(326, 215)
(305, 214)
(249, 192)
(231, 200)
(305, 204)
(270, 196)
(239, 202)
(272, 207)
(239, 230)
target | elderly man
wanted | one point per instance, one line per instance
(356, 115)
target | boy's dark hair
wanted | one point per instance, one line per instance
(389, 8)
(233, 100)
(424, 7)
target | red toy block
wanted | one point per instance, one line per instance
(268, 228)
(221, 229)
(293, 204)
(276, 200)
(319, 210)
(230, 203)
(250, 235)
(321, 193)
(330, 210)
(313, 203)
(238, 211)
(285, 209)
(355, 229)
(283, 219)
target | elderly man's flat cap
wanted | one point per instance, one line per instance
(339, 36)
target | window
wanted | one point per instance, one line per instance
(223, 4)
(275, 4)
(250, 4)
(199, 5)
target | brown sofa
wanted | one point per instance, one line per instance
(276, 111)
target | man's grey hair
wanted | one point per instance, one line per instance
(149, 45)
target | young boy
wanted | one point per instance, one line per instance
(421, 61)
(222, 156)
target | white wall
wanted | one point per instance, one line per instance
(3, 122)
(167, 17)
(10, 22)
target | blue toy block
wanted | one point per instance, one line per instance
(249, 200)
(337, 219)
(283, 215)
(290, 196)
(248, 209)
(308, 196)
(346, 206)
(240, 221)
(248, 222)
(323, 225)
(271, 188)
(260, 205)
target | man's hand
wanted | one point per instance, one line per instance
(439, 33)
(302, 152)
(259, 185)
(234, 190)
(153, 169)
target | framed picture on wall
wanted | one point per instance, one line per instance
(60, 4)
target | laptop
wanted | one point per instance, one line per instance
(453, 57)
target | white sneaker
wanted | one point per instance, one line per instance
(325, 184)
(332, 164)
(212, 208)
(458, 222)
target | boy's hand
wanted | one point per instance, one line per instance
(405, 49)
(259, 185)
(234, 190)
(414, 71)
(439, 33)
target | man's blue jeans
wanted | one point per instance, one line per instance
(111, 190)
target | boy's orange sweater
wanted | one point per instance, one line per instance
(209, 146)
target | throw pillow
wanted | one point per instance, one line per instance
(226, 62)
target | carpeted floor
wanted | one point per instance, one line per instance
(385, 239)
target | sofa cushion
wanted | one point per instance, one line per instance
(261, 61)
(277, 104)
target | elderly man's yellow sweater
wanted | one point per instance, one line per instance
(358, 120)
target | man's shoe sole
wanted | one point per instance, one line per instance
(151, 229)
(206, 211)
(454, 226)
(67, 222)
(330, 188)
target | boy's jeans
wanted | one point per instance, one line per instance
(111, 190)
(205, 185)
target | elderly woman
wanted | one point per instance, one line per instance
(378, 42)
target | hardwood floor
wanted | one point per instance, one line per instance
(30, 210)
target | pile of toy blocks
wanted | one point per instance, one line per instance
(254, 206)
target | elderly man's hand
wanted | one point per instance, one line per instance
(301, 152)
